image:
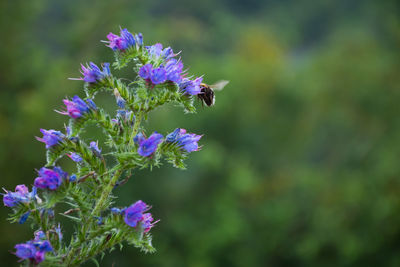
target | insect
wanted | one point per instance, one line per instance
(207, 95)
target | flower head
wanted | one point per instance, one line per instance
(171, 72)
(188, 141)
(21, 195)
(34, 249)
(148, 146)
(124, 41)
(191, 87)
(76, 107)
(50, 178)
(50, 137)
(92, 73)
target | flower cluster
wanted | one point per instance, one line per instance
(188, 141)
(88, 192)
(50, 178)
(35, 249)
(21, 195)
(124, 41)
(171, 72)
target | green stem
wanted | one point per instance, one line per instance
(106, 192)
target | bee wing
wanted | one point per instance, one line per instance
(218, 86)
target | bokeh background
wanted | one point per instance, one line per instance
(301, 158)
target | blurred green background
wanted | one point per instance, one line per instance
(301, 158)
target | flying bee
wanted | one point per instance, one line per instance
(207, 95)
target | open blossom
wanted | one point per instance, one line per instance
(135, 214)
(50, 137)
(148, 146)
(191, 87)
(157, 52)
(92, 73)
(50, 178)
(188, 141)
(124, 41)
(174, 70)
(34, 249)
(21, 195)
(76, 107)
(156, 76)
(171, 72)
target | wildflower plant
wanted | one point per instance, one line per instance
(85, 196)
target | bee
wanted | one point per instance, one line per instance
(207, 95)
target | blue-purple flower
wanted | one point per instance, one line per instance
(21, 195)
(24, 217)
(188, 141)
(148, 146)
(75, 157)
(35, 249)
(145, 71)
(158, 75)
(124, 41)
(77, 107)
(50, 178)
(147, 222)
(50, 137)
(191, 87)
(157, 52)
(174, 70)
(92, 73)
(94, 146)
(171, 72)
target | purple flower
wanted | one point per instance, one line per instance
(25, 251)
(75, 157)
(34, 249)
(158, 76)
(94, 146)
(145, 71)
(50, 179)
(76, 108)
(92, 73)
(58, 232)
(134, 213)
(116, 210)
(156, 52)
(148, 146)
(191, 87)
(188, 141)
(24, 217)
(174, 70)
(50, 137)
(21, 195)
(147, 222)
(124, 41)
